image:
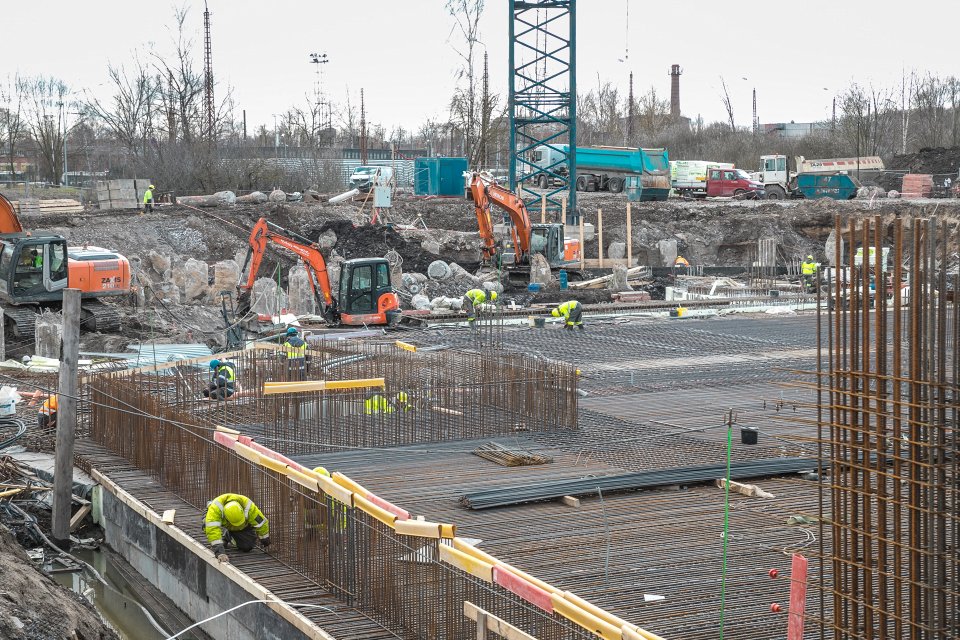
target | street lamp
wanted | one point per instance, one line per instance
(320, 59)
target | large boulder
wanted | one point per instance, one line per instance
(267, 297)
(226, 275)
(299, 292)
(540, 270)
(158, 262)
(257, 197)
(226, 197)
(619, 282)
(438, 270)
(617, 250)
(327, 239)
(420, 302)
(277, 196)
(192, 278)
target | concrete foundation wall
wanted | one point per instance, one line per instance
(198, 586)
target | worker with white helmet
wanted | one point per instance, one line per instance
(148, 199)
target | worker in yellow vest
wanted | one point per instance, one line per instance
(148, 199)
(234, 518)
(572, 314)
(808, 270)
(295, 349)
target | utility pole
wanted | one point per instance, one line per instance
(66, 418)
(363, 130)
(209, 104)
(629, 138)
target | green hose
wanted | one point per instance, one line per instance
(726, 528)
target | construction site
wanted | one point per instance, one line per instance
(594, 391)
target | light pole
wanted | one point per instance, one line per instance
(276, 138)
(755, 123)
(319, 59)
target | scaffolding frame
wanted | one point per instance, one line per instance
(543, 98)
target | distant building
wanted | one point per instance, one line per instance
(793, 129)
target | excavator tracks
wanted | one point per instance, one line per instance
(21, 321)
(95, 317)
(98, 317)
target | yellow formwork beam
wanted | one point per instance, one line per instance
(466, 562)
(275, 388)
(406, 346)
(585, 619)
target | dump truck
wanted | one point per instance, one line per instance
(828, 178)
(645, 172)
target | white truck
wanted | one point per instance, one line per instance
(780, 182)
(689, 177)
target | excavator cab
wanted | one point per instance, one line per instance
(32, 268)
(548, 240)
(366, 294)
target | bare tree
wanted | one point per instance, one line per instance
(465, 113)
(653, 113)
(45, 100)
(727, 105)
(930, 103)
(12, 124)
(131, 115)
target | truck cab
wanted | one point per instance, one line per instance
(736, 183)
(774, 176)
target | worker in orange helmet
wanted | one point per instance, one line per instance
(47, 415)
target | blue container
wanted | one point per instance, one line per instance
(839, 186)
(533, 287)
(439, 176)
(563, 279)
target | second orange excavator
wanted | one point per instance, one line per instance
(365, 295)
(528, 238)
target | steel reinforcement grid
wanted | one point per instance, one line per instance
(449, 395)
(154, 419)
(888, 414)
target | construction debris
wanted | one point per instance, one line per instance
(749, 490)
(509, 456)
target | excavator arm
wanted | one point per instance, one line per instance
(486, 192)
(265, 232)
(9, 222)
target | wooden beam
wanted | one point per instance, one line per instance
(273, 388)
(600, 236)
(501, 628)
(582, 252)
(629, 236)
(78, 517)
(543, 208)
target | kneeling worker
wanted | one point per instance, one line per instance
(232, 517)
(47, 415)
(572, 312)
(223, 380)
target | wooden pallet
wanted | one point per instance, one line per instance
(39, 207)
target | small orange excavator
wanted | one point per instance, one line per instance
(528, 237)
(365, 296)
(35, 267)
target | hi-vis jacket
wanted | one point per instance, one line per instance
(216, 521)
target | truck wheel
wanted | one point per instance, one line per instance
(738, 194)
(775, 192)
(615, 185)
(542, 182)
(581, 184)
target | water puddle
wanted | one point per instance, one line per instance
(112, 595)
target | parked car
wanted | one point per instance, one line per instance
(735, 183)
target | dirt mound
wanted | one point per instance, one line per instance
(33, 606)
(939, 161)
(369, 241)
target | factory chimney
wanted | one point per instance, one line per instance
(675, 91)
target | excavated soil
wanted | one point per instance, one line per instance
(34, 607)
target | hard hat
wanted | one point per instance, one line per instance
(233, 512)
(322, 471)
(291, 331)
(809, 257)
(493, 296)
(555, 313)
(152, 187)
(214, 363)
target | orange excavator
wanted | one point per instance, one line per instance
(528, 237)
(365, 295)
(35, 267)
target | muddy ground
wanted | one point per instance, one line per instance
(34, 607)
(722, 233)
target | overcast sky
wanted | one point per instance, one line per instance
(797, 55)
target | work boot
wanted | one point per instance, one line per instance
(580, 326)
